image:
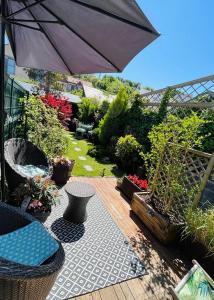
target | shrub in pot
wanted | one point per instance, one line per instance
(198, 236)
(37, 196)
(168, 176)
(61, 169)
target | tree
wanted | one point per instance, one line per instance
(87, 109)
(113, 122)
(48, 80)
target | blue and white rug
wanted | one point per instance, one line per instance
(97, 253)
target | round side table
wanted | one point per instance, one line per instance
(79, 194)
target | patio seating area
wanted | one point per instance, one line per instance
(164, 266)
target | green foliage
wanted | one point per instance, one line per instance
(199, 224)
(87, 109)
(79, 93)
(101, 111)
(114, 120)
(162, 112)
(129, 153)
(48, 80)
(207, 132)
(170, 142)
(44, 128)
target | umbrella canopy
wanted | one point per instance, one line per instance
(71, 36)
(77, 36)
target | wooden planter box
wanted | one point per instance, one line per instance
(157, 224)
(129, 188)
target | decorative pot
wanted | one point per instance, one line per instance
(129, 188)
(156, 223)
(41, 216)
(61, 173)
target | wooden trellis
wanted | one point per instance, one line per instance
(197, 95)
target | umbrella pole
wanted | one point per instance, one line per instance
(2, 87)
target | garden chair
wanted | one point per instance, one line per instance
(22, 281)
(196, 285)
(24, 160)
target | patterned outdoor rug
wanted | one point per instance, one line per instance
(97, 253)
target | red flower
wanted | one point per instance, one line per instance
(62, 105)
(141, 183)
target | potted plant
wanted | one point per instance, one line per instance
(162, 211)
(61, 169)
(36, 197)
(132, 184)
(198, 236)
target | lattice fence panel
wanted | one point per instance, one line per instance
(196, 95)
(195, 165)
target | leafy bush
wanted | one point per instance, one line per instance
(129, 153)
(87, 109)
(44, 128)
(97, 151)
(170, 142)
(140, 119)
(101, 111)
(207, 132)
(114, 120)
(200, 226)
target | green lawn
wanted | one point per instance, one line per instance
(95, 168)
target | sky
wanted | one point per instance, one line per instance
(185, 49)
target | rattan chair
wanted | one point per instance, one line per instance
(19, 282)
(22, 152)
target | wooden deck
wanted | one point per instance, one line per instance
(164, 265)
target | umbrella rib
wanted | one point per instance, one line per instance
(82, 38)
(24, 8)
(102, 11)
(25, 26)
(43, 31)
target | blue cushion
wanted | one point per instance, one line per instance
(30, 245)
(31, 171)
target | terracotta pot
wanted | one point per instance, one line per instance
(129, 188)
(61, 173)
(156, 223)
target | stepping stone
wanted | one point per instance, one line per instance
(82, 157)
(75, 143)
(88, 168)
(77, 149)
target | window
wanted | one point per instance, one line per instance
(10, 66)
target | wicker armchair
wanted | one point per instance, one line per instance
(19, 282)
(22, 152)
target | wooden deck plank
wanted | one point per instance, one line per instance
(163, 266)
(119, 292)
(126, 291)
(96, 295)
(108, 293)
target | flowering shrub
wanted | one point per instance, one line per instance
(141, 183)
(62, 161)
(62, 105)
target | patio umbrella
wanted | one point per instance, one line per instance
(72, 36)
